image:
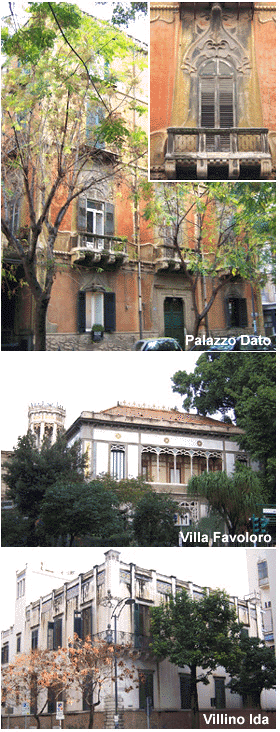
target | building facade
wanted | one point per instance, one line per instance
(165, 447)
(213, 90)
(86, 603)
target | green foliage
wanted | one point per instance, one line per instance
(244, 383)
(29, 472)
(124, 13)
(15, 529)
(234, 497)
(153, 521)
(255, 671)
(196, 633)
(79, 510)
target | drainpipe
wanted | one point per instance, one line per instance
(136, 224)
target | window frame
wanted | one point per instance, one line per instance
(117, 464)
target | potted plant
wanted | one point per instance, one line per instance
(97, 331)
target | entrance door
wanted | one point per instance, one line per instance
(174, 319)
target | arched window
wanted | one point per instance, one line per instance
(217, 107)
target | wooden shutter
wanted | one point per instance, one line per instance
(109, 226)
(109, 312)
(81, 312)
(57, 633)
(82, 213)
(207, 102)
(226, 102)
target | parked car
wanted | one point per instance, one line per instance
(157, 344)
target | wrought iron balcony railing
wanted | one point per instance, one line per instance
(205, 146)
(98, 248)
(133, 641)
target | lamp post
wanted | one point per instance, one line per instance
(116, 614)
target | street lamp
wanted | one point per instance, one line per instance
(116, 614)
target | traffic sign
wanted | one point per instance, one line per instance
(59, 710)
(25, 708)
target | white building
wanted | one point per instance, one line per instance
(165, 446)
(85, 604)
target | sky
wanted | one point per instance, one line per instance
(211, 567)
(86, 382)
(138, 30)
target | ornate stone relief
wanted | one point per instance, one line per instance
(216, 37)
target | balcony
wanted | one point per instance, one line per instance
(232, 147)
(104, 251)
(168, 260)
(127, 641)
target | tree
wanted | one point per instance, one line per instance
(29, 472)
(256, 671)
(84, 666)
(234, 497)
(198, 633)
(93, 665)
(214, 230)
(70, 510)
(241, 387)
(60, 109)
(153, 521)
(30, 674)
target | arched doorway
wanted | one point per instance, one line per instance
(174, 319)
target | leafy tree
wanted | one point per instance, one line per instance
(153, 521)
(242, 387)
(15, 529)
(234, 497)
(53, 80)
(29, 472)
(256, 671)
(214, 229)
(198, 633)
(70, 510)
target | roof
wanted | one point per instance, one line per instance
(167, 415)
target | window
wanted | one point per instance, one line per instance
(83, 623)
(175, 475)
(141, 622)
(20, 588)
(18, 642)
(220, 695)
(146, 689)
(87, 692)
(54, 639)
(5, 653)
(33, 694)
(96, 308)
(262, 570)
(216, 99)
(95, 217)
(185, 691)
(95, 220)
(54, 695)
(117, 470)
(94, 117)
(34, 638)
(236, 312)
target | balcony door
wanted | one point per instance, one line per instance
(217, 102)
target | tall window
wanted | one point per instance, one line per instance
(220, 694)
(5, 653)
(217, 101)
(34, 638)
(55, 634)
(185, 690)
(262, 570)
(83, 622)
(96, 308)
(95, 219)
(117, 462)
(146, 689)
(18, 642)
